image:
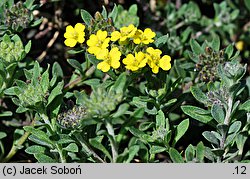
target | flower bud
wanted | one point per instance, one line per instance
(71, 119)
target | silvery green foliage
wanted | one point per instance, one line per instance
(123, 116)
(223, 111)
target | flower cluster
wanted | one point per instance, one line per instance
(128, 42)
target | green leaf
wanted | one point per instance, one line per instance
(6, 38)
(86, 17)
(27, 47)
(35, 149)
(210, 137)
(196, 48)
(75, 51)
(81, 97)
(120, 83)
(55, 92)
(235, 127)
(139, 113)
(74, 63)
(42, 158)
(155, 149)
(92, 82)
(200, 151)
(185, 34)
(141, 135)
(247, 3)
(45, 80)
(28, 3)
(11, 91)
(133, 150)
(2, 135)
(133, 9)
(222, 128)
(96, 143)
(215, 44)
(159, 42)
(36, 22)
(181, 130)
(21, 109)
(218, 113)
(241, 139)
(175, 156)
(190, 153)
(198, 94)
(104, 12)
(71, 148)
(28, 74)
(37, 140)
(229, 51)
(197, 113)
(65, 139)
(39, 134)
(160, 120)
(92, 59)
(36, 73)
(114, 13)
(245, 106)
(188, 66)
(146, 125)
(209, 154)
(230, 138)
(6, 113)
(123, 108)
(22, 85)
(57, 70)
(234, 14)
(218, 152)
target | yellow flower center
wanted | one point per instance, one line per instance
(74, 34)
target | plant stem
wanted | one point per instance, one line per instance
(227, 120)
(87, 149)
(177, 26)
(206, 30)
(47, 121)
(15, 147)
(62, 157)
(229, 110)
(113, 143)
(2, 150)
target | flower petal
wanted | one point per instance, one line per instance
(115, 36)
(94, 50)
(81, 38)
(70, 42)
(105, 43)
(93, 40)
(164, 62)
(155, 69)
(103, 66)
(102, 54)
(149, 33)
(101, 35)
(79, 27)
(115, 63)
(137, 40)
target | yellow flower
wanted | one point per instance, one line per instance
(110, 59)
(155, 61)
(145, 37)
(98, 42)
(240, 45)
(124, 34)
(74, 35)
(133, 63)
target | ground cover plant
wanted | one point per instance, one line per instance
(140, 81)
